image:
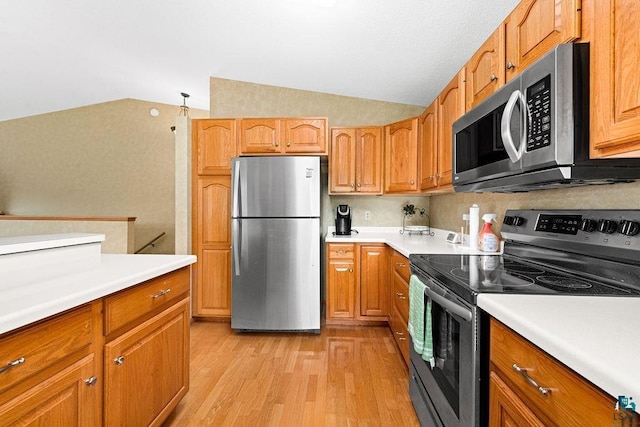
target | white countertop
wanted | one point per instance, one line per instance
(23, 302)
(406, 244)
(594, 336)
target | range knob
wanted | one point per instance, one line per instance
(628, 228)
(588, 225)
(607, 226)
(513, 220)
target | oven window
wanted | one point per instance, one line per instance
(480, 143)
(446, 350)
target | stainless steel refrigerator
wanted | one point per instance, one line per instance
(275, 249)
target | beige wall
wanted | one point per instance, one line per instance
(109, 159)
(230, 98)
(447, 210)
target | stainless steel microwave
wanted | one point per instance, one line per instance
(533, 133)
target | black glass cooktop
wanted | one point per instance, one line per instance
(469, 275)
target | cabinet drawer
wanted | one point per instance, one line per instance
(401, 265)
(400, 334)
(36, 348)
(570, 397)
(341, 251)
(143, 299)
(401, 296)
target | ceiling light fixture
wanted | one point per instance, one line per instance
(184, 110)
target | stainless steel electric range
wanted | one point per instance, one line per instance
(577, 252)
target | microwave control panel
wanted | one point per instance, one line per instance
(539, 104)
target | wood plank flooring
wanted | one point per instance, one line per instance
(345, 376)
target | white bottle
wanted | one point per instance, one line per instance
(487, 239)
(474, 226)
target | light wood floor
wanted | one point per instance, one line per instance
(346, 376)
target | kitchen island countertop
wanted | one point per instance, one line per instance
(29, 292)
(594, 336)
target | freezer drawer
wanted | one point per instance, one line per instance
(275, 274)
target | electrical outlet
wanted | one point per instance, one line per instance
(367, 215)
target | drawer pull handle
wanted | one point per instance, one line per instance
(522, 371)
(400, 265)
(345, 269)
(161, 293)
(119, 360)
(342, 251)
(10, 365)
(400, 295)
(402, 339)
(91, 381)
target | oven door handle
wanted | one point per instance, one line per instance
(448, 305)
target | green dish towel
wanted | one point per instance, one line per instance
(420, 319)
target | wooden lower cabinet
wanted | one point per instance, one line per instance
(514, 400)
(151, 356)
(374, 281)
(400, 296)
(122, 360)
(56, 377)
(357, 283)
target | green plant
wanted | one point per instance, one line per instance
(410, 210)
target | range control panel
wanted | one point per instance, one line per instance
(586, 231)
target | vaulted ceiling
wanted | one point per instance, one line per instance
(59, 54)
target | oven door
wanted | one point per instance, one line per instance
(450, 384)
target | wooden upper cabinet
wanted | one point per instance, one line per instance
(342, 160)
(283, 136)
(259, 136)
(304, 135)
(355, 164)
(401, 156)
(615, 82)
(535, 27)
(485, 70)
(428, 141)
(214, 145)
(450, 106)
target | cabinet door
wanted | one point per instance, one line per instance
(147, 369)
(212, 284)
(212, 295)
(214, 145)
(341, 289)
(69, 398)
(428, 140)
(401, 157)
(374, 281)
(369, 160)
(260, 136)
(505, 407)
(450, 108)
(615, 91)
(535, 27)
(342, 160)
(304, 135)
(485, 70)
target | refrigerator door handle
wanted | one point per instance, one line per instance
(236, 190)
(236, 239)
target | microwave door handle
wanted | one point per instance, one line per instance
(507, 139)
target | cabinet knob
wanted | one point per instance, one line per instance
(119, 360)
(493, 77)
(11, 364)
(277, 144)
(91, 381)
(412, 182)
(359, 185)
(352, 185)
(288, 144)
(510, 65)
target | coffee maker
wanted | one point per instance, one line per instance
(343, 220)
